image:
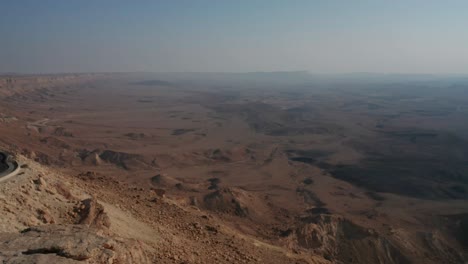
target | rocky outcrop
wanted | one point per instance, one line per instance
(68, 244)
(61, 131)
(91, 213)
(230, 155)
(123, 160)
(225, 201)
(120, 159)
(162, 180)
(337, 238)
(90, 158)
(37, 156)
(433, 245)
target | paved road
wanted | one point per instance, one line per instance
(8, 167)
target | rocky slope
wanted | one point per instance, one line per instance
(49, 217)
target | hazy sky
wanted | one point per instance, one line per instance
(393, 36)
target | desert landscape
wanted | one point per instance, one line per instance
(263, 167)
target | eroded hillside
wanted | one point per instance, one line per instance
(161, 171)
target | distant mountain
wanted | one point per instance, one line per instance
(153, 83)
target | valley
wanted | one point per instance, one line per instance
(267, 171)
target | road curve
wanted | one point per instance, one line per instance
(8, 167)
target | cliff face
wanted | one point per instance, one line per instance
(18, 84)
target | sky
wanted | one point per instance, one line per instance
(382, 36)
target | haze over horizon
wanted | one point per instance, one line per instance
(221, 36)
(240, 131)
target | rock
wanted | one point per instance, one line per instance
(194, 201)
(64, 191)
(159, 192)
(227, 200)
(91, 213)
(211, 229)
(122, 159)
(45, 216)
(40, 183)
(68, 244)
(336, 237)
